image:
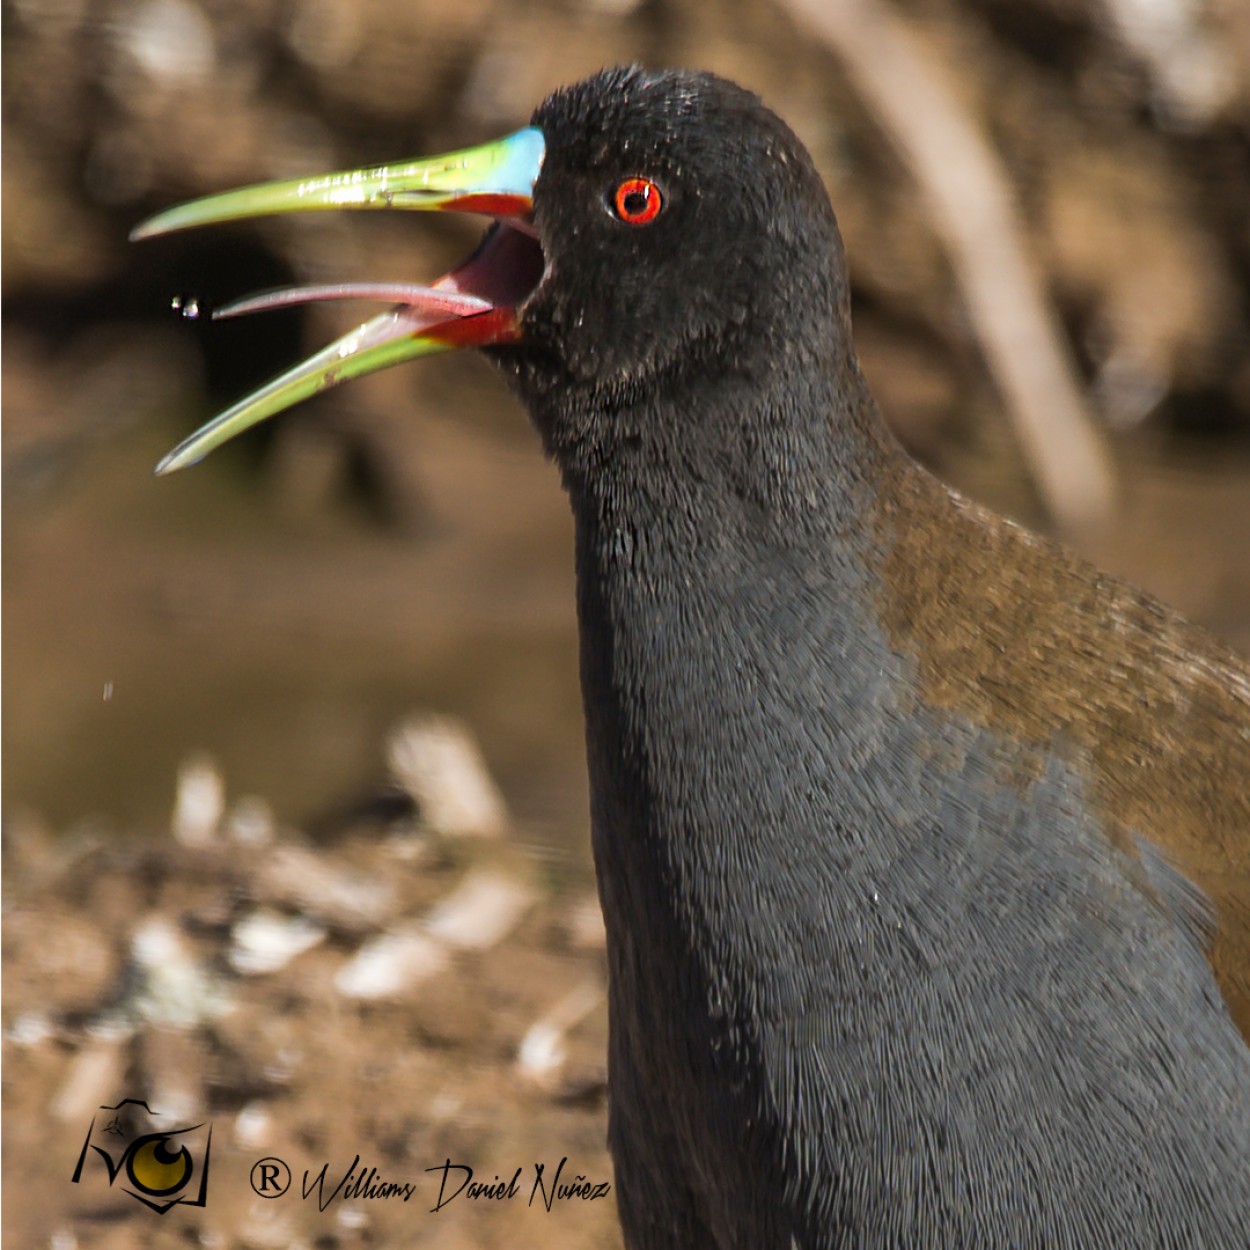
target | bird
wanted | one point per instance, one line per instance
(923, 846)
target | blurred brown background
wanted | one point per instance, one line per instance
(399, 544)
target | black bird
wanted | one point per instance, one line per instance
(923, 847)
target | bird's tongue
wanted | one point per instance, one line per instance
(472, 306)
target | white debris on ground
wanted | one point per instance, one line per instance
(476, 916)
(435, 759)
(172, 987)
(250, 822)
(264, 941)
(544, 1047)
(391, 964)
(199, 802)
(380, 991)
(317, 886)
(480, 912)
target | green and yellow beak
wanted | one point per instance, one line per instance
(474, 305)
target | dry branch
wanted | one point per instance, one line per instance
(973, 212)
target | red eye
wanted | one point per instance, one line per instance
(638, 201)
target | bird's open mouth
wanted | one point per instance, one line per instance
(476, 304)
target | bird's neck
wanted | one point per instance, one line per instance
(722, 606)
(781, 448)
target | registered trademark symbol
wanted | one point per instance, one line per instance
(270, 1177)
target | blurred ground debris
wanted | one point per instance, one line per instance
(412, 999)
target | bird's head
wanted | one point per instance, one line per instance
(646, 224)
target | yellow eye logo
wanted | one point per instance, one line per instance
(154, 1166)
(159, 1168)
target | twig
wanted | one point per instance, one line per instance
(974, 214)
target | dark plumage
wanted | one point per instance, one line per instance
(923, 847)
(886, 791)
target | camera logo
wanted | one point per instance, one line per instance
(162, 1168)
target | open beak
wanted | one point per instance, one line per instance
(474, 305)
